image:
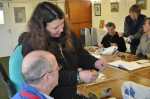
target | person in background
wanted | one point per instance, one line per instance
(133, 27)
(40, 71)
(143, 50)
(49, 31)
(112, 38)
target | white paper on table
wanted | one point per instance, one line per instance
(130, 65)
(143, 61)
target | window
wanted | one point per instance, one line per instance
(1, 14)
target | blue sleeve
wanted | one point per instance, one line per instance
(15, 63)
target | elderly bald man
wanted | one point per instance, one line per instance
(40, 71)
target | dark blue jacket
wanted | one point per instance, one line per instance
(134, 28)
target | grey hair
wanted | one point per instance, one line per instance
(36, 70)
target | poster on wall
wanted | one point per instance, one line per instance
(20, 15)
(114, 6)
(142, 3)
(101, 24)
(97, 9)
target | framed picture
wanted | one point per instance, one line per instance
(97, 9)
(142, 3)
(101, 24)
(114, 6)
(19, 14)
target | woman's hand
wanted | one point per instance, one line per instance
(100, 64)
(88, 76)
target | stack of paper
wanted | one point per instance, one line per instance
(130, 65)
(109, 50)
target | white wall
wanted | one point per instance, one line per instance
(106, 14)
(117, 18)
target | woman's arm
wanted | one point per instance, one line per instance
(121, 44)
(105, 42)
(126, 27)
(67, 78)
(85, 60)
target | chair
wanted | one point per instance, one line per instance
(85, 37)
(6, 87)
(15, 63)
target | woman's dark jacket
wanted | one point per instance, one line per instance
(133, 28)
(69, 61)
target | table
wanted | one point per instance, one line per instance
(115, 77)
(144, 72)
(118, 77)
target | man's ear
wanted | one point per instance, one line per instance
(46, 77)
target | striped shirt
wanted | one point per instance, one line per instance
(144, 46)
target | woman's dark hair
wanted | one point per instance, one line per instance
(110, 24)
(44, 13)
(135, 8)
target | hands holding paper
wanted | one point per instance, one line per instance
(88, 76)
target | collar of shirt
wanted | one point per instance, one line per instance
(35, 91)
(46, 96)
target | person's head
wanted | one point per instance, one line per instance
(146, 25)
(110, 26)
(47, 20)
(40, 69)
(22, 37)
(134, 11)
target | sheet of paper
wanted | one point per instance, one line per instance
(130, 65)
(143, 61)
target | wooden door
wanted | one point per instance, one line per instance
(80, 14)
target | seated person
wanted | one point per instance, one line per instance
(113, 39)
(144, 46)
(40, 71)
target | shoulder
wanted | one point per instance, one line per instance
(127, 18)
(26, 47)
(144, 36)
(22, 37)
(106, 36)
(17, 96)
(142, 16)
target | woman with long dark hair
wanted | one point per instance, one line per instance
(133, 27)
(48, 30)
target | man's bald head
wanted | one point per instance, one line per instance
(36, 64)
